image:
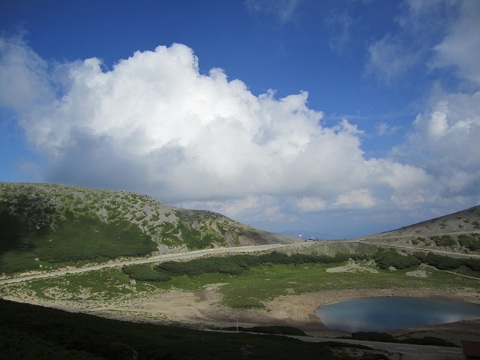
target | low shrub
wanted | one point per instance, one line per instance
(439, 261)
(444, 240)
(145, 273)
(238, 264)
(473, 264)
(470, 241)
(373, 336)
(428, 340)
(384, 337)
(388, 258)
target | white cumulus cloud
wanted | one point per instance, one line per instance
(154, 124)
(447, 136)
(460, 47)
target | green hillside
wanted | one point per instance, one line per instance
(45, 226)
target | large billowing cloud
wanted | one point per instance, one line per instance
(153, 123)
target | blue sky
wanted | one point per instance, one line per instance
(335, 118)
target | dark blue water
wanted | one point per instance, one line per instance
(390, 313)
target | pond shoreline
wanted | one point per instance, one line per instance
(306, 305)
(389, 313)
(203, 309)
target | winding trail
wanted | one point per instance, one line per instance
(154, 259)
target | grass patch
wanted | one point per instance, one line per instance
(259, 285)
(100, 285)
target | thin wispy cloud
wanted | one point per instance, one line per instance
(460, 47)
(284, 10)
(389, 59)
(385, 129)
(340, 26)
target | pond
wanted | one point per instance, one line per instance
(389, 313)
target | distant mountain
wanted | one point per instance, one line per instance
(457, 232)
(48, 225)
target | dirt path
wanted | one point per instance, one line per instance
(154, 259)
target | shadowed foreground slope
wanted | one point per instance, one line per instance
(33, 332)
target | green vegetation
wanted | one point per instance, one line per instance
(102, 285)
(447, 262)
(145, 273)
(74, 239)
(196, 229)
(384, 337)
(251, 280)
(391, 258)
(231, 265)
(33, 332)
(248, 281)
(444, 240)
(470, 241)
(276, 330)
(260, 284)
(417, 240)
(182, 233)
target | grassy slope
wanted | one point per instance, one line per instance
(44, 226)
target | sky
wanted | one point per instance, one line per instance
(335, 118)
